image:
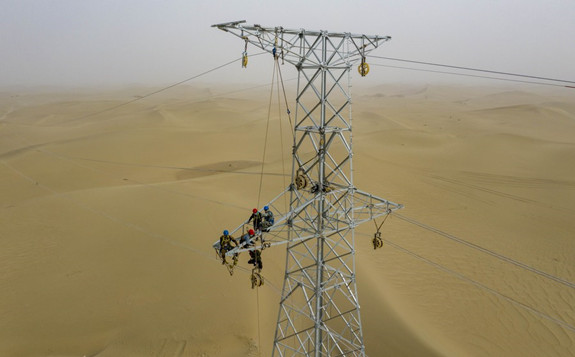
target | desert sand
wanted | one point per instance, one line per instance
(107, 219)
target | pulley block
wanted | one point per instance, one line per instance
(257, 279)
(244, 60)
(377, 241)
(363, 69)
(301, 180)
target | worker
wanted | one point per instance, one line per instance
(226, 241)
(246, 239)
(268, 215)
(256, 259)
(268, 218)
(257, 218)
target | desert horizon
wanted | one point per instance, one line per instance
(108, 212)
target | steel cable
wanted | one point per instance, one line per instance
(475, 69)
(482, 286)
(486, 251)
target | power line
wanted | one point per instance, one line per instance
(120, 221)
(482, 286)
(177, 168)
(71, 159)
(476, 69)
(486, 251)
(162, 89)
(234, 91)
(473, 75)
(131, 225)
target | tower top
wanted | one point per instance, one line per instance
(256, 27)
(297, 46)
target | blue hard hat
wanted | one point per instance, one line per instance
(266, 208)
(226, 232)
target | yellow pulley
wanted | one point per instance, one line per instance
(245, 54)
(363, 69)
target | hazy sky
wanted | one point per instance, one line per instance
(117, 42)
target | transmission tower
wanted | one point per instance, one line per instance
(319, 309)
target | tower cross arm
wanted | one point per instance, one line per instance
(297, 46)
(368, 207)
(231, 23)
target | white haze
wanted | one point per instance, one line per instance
(112, 42)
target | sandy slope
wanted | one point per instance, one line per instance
(106, 221)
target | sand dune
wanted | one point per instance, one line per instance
(106, 221)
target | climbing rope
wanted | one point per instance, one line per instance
(280, 82)
(258, 309)
(274, 49)
(282, 47)
(266, 135)
(256, 279)
(286, 102)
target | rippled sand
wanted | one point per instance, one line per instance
(107, 220)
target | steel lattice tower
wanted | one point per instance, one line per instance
(319, 309)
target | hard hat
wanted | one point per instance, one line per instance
(251, 232)
(266, 208)
(254, 210)
(226, 232)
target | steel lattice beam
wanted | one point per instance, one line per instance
(319, 308)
